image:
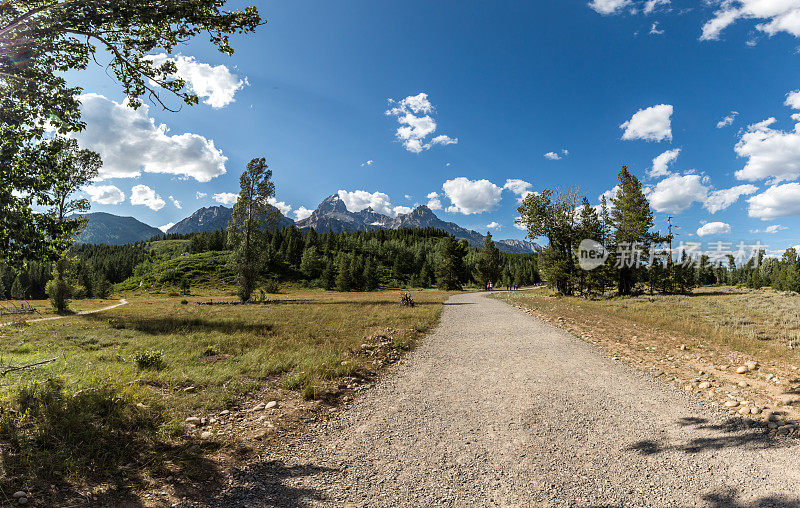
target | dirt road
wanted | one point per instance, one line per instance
(498, 408)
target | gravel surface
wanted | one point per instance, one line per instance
(499, 408)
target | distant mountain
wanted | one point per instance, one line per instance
(518, 246)
(115, 230)
(333, 215)
(212, 218)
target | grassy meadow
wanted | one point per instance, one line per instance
(762, 323)
(126, 378)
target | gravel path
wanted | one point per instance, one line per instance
(499, 408)
(122, 301)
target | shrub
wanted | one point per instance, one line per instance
(90, 434)
(184, 302)
(271, 286)
(150, 359)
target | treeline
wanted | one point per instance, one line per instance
(93, 269)
(636, 258)
(367, 260)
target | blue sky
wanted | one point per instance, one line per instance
(510, 81)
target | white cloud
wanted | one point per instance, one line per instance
(444, 140)
(776, 201)
(775, 16)
(225, 198)
(519, 187)
(280, 205)
(793, 99)
(217, 85)
(302, 213)
(651, 5)
(714, 228)
(166, 227)
(415, 128)
(408, 197)
(358, 200)
(676, 193)
(609, 6)
(175, 202)
(662, 162)
(367, 163)
(721, 199)
(728, 120)
(200, 195)
(471, 196)
(651, 124)
(130, 142)
(144, 195)
(609, 195)
(555, 156)
(770, 230)
(772, 154)
(494, 225)
(519, 226)
(434, 201)
(654, 30)
(105, 194)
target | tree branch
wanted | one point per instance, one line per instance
(13, 368)
(23, 17)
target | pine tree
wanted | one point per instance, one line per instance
(329, 275)
(371, 281)
(632, 220)
(17, 290)
(310, 263)
(343, 281)
(488, 266)
(450, 270)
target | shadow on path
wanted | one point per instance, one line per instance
(731, 433)
(267, 484)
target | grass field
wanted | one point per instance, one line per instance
(763, 323)
(172, 359)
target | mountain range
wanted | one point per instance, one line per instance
(331, 215)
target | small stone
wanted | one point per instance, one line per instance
(212, 420)
(658, 373)
(731, 403)
(751, 365)
(190, 389)
(20, 493)
(704, 385)
(744, 411)
(258, 407)
(684, 348)
(224, 412)
(207, 435)
(755, 411)
(193, 420)
(271, 404)
(742, 370)
(743, 384)
(22, 500)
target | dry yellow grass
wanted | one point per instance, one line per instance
(764, 324)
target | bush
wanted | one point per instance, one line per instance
(90, 434)
(271, 286)
(184, 302)
(150, 359)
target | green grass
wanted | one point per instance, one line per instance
(223, 350)
(118, 397)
